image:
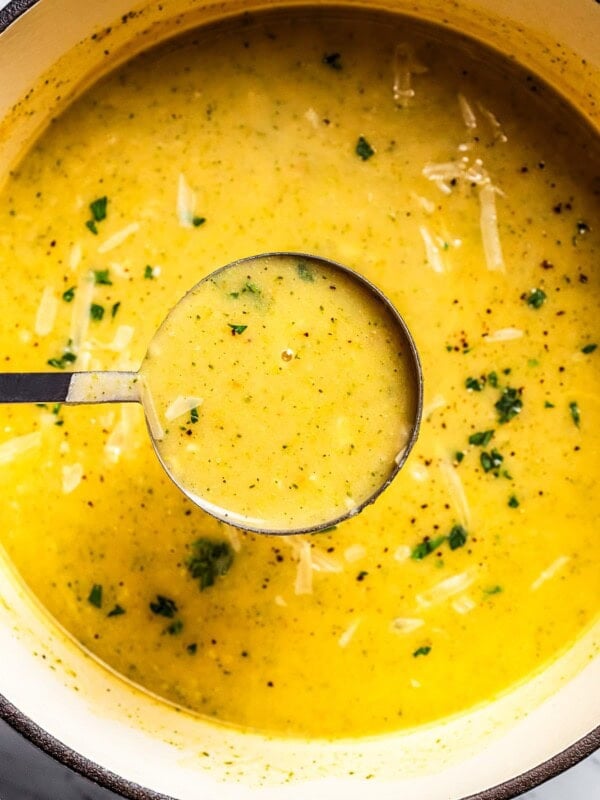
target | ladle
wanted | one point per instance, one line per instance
(262, 336)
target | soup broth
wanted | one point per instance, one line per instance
(469, 195)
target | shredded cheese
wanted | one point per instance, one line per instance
(75, 256)
(80, 315)
(467, 112)
(71, 477)
(186, 202)
(432, 251)
(406, 65)
(437, 401)
(463, 604)
(402, 553)
(406, 624)
(457, 492)
(11, 448)
(490, 235)
(354, 553)
(503, 335)
(549, 572)
(119, 237)
(455, 584)
(348, 634)
(46, 312)
(303, 583)
(182, 405)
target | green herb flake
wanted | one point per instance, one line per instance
(198, 221)
(194, 416)
(481, 439)
(174, 628)
(589, 348)
(473, 385)
(490, 461)
(210, 559)
(163, 606)
(492, 379)
(192, 648)
(96, 312)
(305, 272)
(363, 149)
(69, 294)
(102, 277)
(424, 650)
(98, 209)
(60, 363)
(575, 413)
(91, 226)
(490, 590)
(548, 404)
(458, 456)
(117, 611)
(457, 537)
(149, 272)
(333, 60)
(509, 404)
(536, 298)
(114, 310)
(426, 547)
(513, 501)
(236, 330)
(95, 595)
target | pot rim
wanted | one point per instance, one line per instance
(107, 779)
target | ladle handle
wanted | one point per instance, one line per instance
(70, 387)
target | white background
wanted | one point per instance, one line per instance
(28, 774)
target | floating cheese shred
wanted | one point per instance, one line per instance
(233, 537)
(120, 438)
(437, 401)
(456, 584)
(504, 335)
(549, 572)
(432, 251)
(463, 604)
(119, 237)
(46, 312)
(494, 123)
(457, 492)
(11, 448)
(406, 624)
(71, 477)
(467, 112)
(186, 202)
(75, 256)
(323, 562)
(402, 553)
(182, 405)
(348, 634)
(354, 553)
(156, 429)
(490, 235)
(303, 583)
(406, 65)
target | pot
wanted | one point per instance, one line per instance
(63, 700)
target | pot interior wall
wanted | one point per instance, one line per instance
(65, 691)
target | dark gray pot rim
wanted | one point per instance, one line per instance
(70, 758)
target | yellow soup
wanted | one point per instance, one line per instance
(283, 389)
(465, 191)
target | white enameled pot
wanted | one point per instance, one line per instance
(89, 718)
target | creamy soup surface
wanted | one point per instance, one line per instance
(470, 197)
(284, 393)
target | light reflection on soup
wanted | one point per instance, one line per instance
(470, 198)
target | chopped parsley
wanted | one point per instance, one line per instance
(491, 461)
(548, 404)
(210, 559)
(236, 330)
(194, 416)
(333, 60)
(96, 312)
(192, 648)
(457, 537)
(482, 438)
(305, 272)
(426, 547)
(149, 272)
(536, 298)
(575, 414)
(363, 149)
(509, 404)
(589, 348)
(114, 309)
(98, 212)
(492, 379)
(102, 277)
(424, 650)
(95, 595)
(513, 502)
(493, 590)
(473, 385)
(60, 363)
(163, 606)
(458, 456)
(117, 611)
(197, 221)
(174, 628)
(69, 294)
